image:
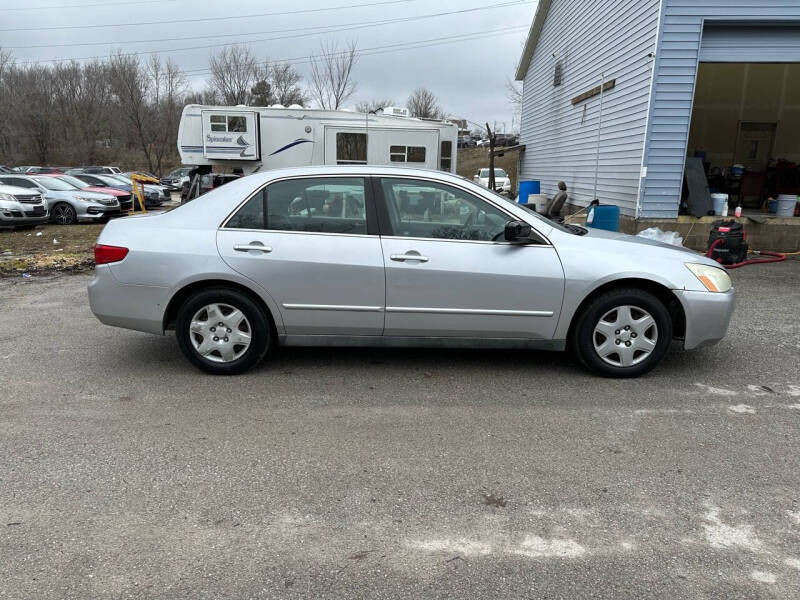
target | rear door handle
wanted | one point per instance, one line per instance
(252, 246)
(405, 257)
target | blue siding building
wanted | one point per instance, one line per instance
(649, 53)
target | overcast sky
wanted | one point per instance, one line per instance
(467, 72)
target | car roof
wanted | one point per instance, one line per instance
(370, 170)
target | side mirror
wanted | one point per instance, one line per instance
(517, 231)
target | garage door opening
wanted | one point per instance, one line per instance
(746, 129)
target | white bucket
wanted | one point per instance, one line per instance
(719, 201)
(539, 201)
(785, 207)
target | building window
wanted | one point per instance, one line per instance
(351, 148)
(558, 74)
(218, 123)
(445, 161)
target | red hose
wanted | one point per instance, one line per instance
(776, 257)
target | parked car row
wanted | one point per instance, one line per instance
(93, 194)
(502, 182)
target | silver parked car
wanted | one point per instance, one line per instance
(382, 256)
(19, 207)
(67, 203)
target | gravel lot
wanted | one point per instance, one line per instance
(125, 473)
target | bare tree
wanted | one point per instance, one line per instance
(514, 95)
(6, 64)
(168, 83)
(285, 81)
(373, 105)
(234, 73)
(332, 75)
(424, 105)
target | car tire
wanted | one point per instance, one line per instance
(622, 333)
(220, 354)
(63, 214)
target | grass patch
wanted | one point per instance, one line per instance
(471, 159)
(59, 248)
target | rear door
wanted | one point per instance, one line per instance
(312, 243)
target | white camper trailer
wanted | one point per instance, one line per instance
(253, 138)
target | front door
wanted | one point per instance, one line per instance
(449, 271)
(312, 243)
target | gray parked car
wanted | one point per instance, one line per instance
(67, 204)
(383, 256)
(19, 207)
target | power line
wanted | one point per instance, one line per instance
(316, 29)
(226, 18)
(440, 41)
(61, 6)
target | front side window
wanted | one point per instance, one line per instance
(427, 209)
(351, 148)
(318, 204)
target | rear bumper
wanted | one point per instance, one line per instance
(707, 316)
(138, 307)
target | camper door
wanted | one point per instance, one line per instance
(231, 135)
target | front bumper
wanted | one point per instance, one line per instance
(100, 212)
(25, 219)
(707, 316)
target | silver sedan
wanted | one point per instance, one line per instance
(382, 256)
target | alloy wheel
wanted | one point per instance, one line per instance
(64, 214)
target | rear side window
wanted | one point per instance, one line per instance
(251, 215)
(319, 205)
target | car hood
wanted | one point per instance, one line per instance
(105, 191)
(630, 242)
(86, 194)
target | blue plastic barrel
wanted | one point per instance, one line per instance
(603, 216)
(526, 188)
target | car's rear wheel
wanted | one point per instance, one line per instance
(623, 333)
(64, 214)
(222, 331)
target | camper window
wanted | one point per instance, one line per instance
(217, 122)
(446, 156)
(397, 153)
(223, 124)
(351, 148)
(416, 154)
(237, 124)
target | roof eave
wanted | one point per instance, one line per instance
(533, 38)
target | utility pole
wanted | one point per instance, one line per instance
(492, 139)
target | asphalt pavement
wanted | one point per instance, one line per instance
(362, 473)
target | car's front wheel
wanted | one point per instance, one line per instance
(623, 333)
(222, 331)
(64, 214)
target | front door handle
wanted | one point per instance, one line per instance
(408, 256)
(257, 246)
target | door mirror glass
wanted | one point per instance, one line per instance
(517, 231)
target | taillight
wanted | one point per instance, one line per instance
(108, 254)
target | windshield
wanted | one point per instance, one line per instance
(55, 184)
(118, 178)
(111, 180)
(497, 173)
(74, 181)
(179, 172)
(572, 229)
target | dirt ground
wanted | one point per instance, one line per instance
(471, 159)
(48, 248)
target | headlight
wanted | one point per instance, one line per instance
(712, 278)
(85, 199)
(7, 198)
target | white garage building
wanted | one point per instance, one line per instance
(719, 79)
